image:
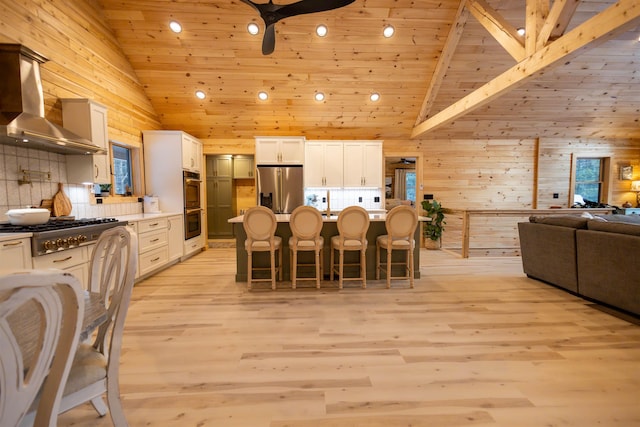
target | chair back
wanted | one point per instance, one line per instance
(260, 224)
(401, 222)
(306, 223)
(113, 267)
(40, 316)
(353, 223)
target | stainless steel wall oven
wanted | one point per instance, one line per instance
(192, 205)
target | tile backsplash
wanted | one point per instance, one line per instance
(14, 195)
(340, 198)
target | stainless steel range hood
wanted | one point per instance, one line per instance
(22, 121)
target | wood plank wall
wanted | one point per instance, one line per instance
(85, 61)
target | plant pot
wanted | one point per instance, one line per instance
(432, 244)
(104, 194)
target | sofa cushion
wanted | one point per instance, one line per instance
(573, 221)
(615, 227)
(627, 219)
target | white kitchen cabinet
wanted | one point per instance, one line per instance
(176, 237)
(191, 153)
(280, 150)
(243, 167)
(193, 245)
(323, 164)
(153, 244)
(15, 254)
(87, 119)
(363, 164)
(75, 261)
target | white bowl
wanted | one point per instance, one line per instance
(28, 216)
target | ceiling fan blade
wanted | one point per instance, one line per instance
(269, 40)
(311, 6)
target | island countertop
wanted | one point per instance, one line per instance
(373, 217)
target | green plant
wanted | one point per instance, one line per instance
(105, 188)
(433, 229)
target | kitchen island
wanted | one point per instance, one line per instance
(329, 229)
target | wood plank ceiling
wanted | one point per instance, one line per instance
(442, 51)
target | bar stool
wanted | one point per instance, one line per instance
(306, 224)
(260, 224)
(401, 223)
(353, 223)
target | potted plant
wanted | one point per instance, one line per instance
(105, 189)
(433, 229)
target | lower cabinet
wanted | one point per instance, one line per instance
(194, 244)
(153, 244)
(15, 254)
(75, 261)
(176, 237)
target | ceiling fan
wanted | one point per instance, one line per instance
(272, 13)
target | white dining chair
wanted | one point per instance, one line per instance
(95, 368)
(306, 224)
(401, 223)
(40, 317)
(353, 224)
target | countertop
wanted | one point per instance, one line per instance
(4, 237)
(374, 217)
(143, 216)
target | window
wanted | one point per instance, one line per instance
(589, 178)
(410, 186)
(122, 170)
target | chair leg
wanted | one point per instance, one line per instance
(410, 262)
(115, 404)
(332, 263)
(389, 251)
(377, 261)
(294, 267)
(249, 270)
(280, 272)
(318, 269)
(273, 268)
(99, 405)
(363, 268)
(341, 268)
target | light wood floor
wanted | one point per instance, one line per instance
(476, 343)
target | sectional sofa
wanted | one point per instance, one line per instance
(597, 258)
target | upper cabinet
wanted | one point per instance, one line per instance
(280, 150)
(87, 119)
(363, 164)
(191, 153)
(323, 164)
(243, 167)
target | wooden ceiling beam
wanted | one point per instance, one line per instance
(504, 33)
(604, 26)
(450, 45)
(536, 14)
(556, 22)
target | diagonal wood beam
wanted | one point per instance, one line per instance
(504, 33)
(557, 21)
(450, 45)
(536, 14)
(604, 26)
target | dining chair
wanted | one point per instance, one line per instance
(260, 224)
(40, 317)
(306, 224)
(95, 368)
(401, 223)
(353, 223)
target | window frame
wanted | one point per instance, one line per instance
(135, 163)
(605, 175)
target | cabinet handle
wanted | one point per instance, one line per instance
(155, 259)
(153, 241)
(12, 244)
(97, 171)
(154, 224)
(63, 260)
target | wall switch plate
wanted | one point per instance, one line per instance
(376, 199)
(428, 197)
(556, 195)
(360, 199)
(324, 200)
(140, 199)
(99, 200)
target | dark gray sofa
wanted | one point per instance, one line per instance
(594, 258)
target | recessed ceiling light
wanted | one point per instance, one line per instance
(319, 96)
(253, 28)
(263, 96)
(200, 94)
(375, 96)
(321, 30)
(175, 26)
(388, 31)
(520, 31)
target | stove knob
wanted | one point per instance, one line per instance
(82, 238)
(61, 243)
(49, 245)
(73, 241)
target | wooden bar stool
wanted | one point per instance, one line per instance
(353, 223)
(401, 223)
(306, 224)
(260, 225)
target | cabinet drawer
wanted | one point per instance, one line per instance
(63, 259)
(193, 245)
(15, 254)
(152, 260)
(152, 240)
(151, 224)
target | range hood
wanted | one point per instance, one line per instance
(22, 121)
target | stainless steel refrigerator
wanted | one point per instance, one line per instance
(280, 188)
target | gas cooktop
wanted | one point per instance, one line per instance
(54, 224)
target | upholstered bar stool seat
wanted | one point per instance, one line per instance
(260, 225)
(401, 223)
(306, 224)
(353, 223)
